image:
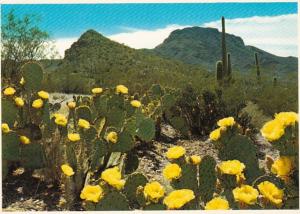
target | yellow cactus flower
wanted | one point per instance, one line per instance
(113, 177)
(67, 170)
(25, 140)
(287, 118)
(22, 81)
(178, 198)
(232, 167)
(175, 152)
(92, 193)
(172, 171)
(73, 137)
(112, 137)
(245, 194)
(60, 120)
(5, 128)
(225, 122)
(97, 90)
(43, 94)
(9, 91)
(154, 191)
(217, 203)
(282, 166)
(71, 105)
(136, 103)
(216, 134)
(19, 101)
(38, 103)
(271, 192)
(83, 124)
(121, 89)
(272, 130)
(195, 159)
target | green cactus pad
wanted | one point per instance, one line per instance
(98, 153)
(271, 178)
(113, 201)
(146, 129)
(131, 163)
(188, 179)
(168, 100)
(115, 117)
(180, 124)
(32, 156)
(71, 155)
(9, 112)
(239, 147)
(124, 144)
(207, 178)
(84, 112)
(10, 146)
(33, 76)
(156, 90)
(132, 183)
(114, 159)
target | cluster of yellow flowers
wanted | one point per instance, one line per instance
(275, 129)
(271, 192)
(223, 124)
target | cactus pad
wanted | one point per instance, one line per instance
(33, 75)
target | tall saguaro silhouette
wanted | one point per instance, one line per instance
(224, 51)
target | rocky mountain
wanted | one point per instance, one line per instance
(202, 46)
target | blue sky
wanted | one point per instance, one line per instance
(71, 20)
(66, 22)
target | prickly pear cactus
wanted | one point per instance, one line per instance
(33, 75)
(113, 200)
(207, 178)
(10, 147)
(9, 112)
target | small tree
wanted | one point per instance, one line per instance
(22, 41)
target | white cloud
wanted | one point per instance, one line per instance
(145, 38)
(277, 34)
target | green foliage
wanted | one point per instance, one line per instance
(32, 156)
(10, 147)
(146, 129)
(219, 68)
(132, 183)
(113, 201)
(83, 112)
(9, 112)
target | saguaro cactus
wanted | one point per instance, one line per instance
(229, 70)
(219, 67)
(257, 66)
(224, 52)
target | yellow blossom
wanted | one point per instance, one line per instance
(272, 130)
(22, 81)
(67, 170)
(60, 120)
(38, 103)
(43, 94)
(172, 171)
(24, 140)
(287, 118)
(83, 124)
(175, 152)
(245, 194)
(112, 137)
(217, 203)
(154, 191)
(121, 89)
(92, 193)
(216, 134)
(71, 105)
(73, 137)
(225, 122)
(113, 177)
(5, 128)
(136, 103)
(231, 167)
(19, 101)
(271, 192)
(178, 198)
(195, 159)
(97, 90)
(282, 166)
(9, 91)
